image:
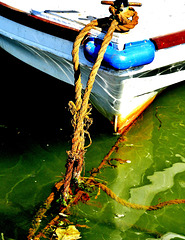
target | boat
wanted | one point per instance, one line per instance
(137, 65)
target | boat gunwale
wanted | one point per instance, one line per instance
(38, 23)
(169, 40)
(70, 33)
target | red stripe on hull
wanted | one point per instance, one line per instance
(169, 40)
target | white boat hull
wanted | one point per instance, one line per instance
(119, 95)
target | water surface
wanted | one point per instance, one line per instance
(35, 132)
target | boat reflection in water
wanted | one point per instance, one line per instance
(153, 170)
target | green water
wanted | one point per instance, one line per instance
(35, 133)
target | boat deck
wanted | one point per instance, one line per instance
(169, 17)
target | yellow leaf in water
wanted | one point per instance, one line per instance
(70, 233)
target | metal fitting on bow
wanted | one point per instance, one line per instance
(120, 4)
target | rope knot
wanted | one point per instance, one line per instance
(127, 18)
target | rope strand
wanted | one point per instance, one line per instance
(125, 203)
(122, 22)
